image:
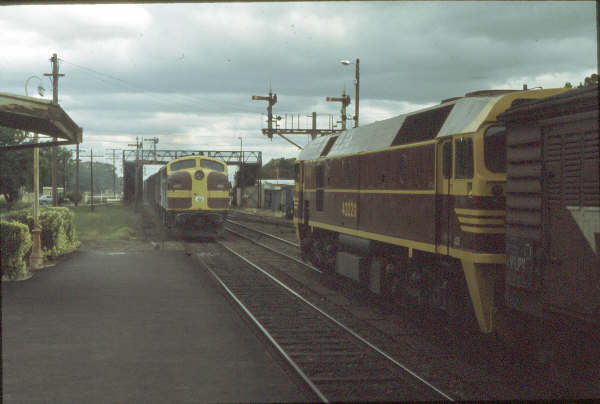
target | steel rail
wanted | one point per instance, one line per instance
(260, 219)
(263, 233)
(275, 251)
(267, 334)
(345, 328)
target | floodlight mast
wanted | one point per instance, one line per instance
(356, 84)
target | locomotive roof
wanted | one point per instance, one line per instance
(466, 115)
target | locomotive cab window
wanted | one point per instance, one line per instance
(212, 165)
(463, 161)
(183, 164)
(494, 149)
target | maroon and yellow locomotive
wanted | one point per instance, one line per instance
(191, 194)
(415, 206)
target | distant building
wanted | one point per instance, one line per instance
(275, 194)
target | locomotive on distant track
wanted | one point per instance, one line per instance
(191, 195)
(415, 207)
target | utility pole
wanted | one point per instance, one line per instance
(92, 178)
(137, 170)
(55, 76)
(114, 172)
(241, 177)
(345, 100)
(357, 90)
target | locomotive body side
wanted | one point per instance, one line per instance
(413, 207)
(192, 196)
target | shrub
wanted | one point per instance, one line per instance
(15, 246)
(57, 235)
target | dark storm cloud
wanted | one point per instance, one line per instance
(190, 69)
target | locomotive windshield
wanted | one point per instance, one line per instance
(180, 165)
(494, 149)
(212, 165)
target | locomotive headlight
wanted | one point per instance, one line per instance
(199, 199)
(199, 175)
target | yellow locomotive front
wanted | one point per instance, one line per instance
(196, 196)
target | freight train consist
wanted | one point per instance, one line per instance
(452, 209)
(191, 194)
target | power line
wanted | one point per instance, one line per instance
(196, 101)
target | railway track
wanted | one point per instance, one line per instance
(459, 371)
(444, 354)
(280, 245)
(334, 361)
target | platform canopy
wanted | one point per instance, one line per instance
(39, 116)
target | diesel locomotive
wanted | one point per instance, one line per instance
(423, 209)
(191, 195)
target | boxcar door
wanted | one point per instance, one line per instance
(444, 202)
(571, 275)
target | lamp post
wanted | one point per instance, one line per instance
(356, 84)
(36, 259)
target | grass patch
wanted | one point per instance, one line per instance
(106, 223)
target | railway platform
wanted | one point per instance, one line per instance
(115, 325)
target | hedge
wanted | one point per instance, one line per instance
(15, 246)
(57, 235)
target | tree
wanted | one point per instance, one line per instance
(103, 177)
(16, 166)
(590, 81)
(278, 168)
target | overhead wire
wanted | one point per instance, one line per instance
(190, 100)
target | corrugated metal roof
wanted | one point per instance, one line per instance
(38, 116)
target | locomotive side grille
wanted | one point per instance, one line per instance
(523, 210)
(524, 187)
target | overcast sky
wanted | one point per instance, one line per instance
(185, 72)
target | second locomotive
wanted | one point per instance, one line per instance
(191, 195)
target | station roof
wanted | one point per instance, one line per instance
(38, 116)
